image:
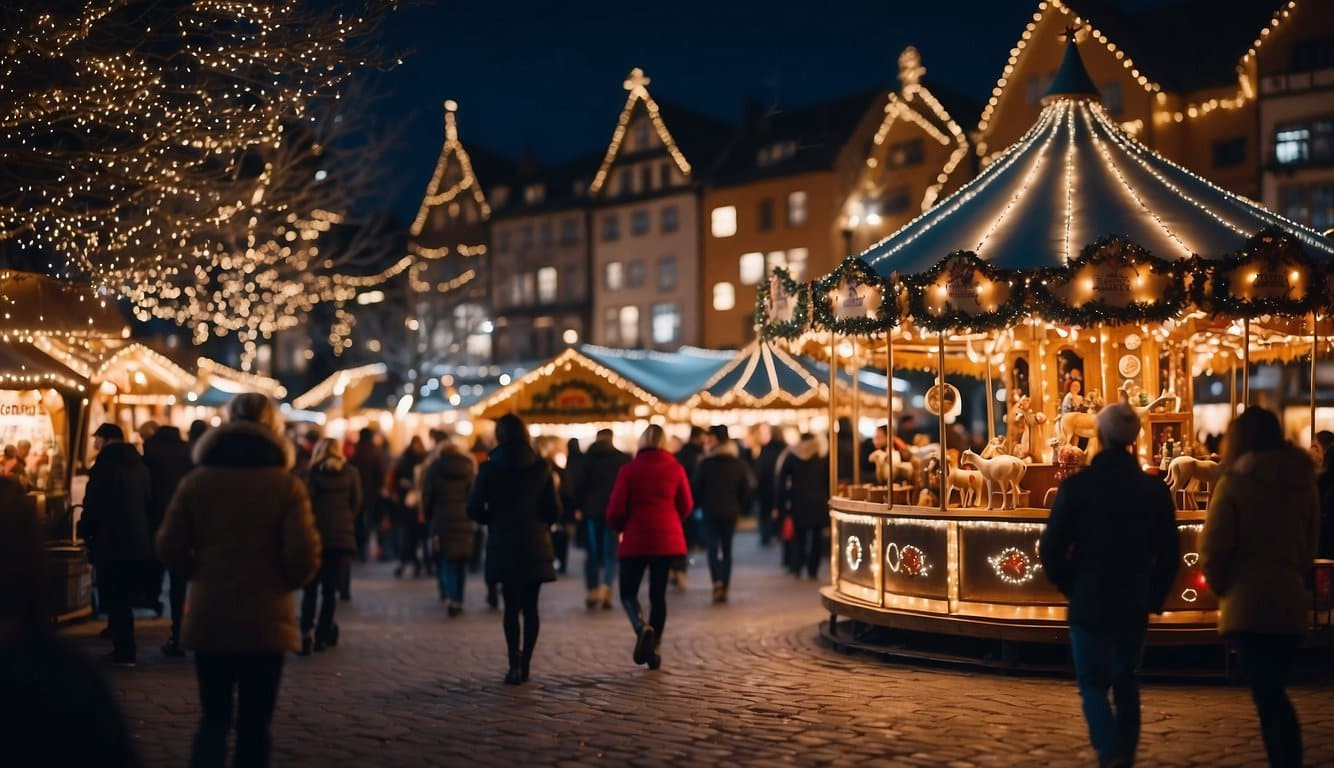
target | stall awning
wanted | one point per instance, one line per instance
(343, 392)
(32, 305)
(24, 366)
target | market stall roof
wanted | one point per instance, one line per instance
(228, 381)
(134, 369)
(1075, 177)
(345, 390)
(24, 366)
(33, 305)
(764, 376)
(588, 383)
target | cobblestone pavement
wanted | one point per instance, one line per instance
(743, 683)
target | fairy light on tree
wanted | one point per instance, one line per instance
(183, 154)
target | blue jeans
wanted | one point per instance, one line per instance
(718, 538)
(601, 556)
(1109, 659)
(453, 575)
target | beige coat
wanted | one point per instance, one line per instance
(1258, 542)
(241, 526)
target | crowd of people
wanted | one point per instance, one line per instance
(250, 517)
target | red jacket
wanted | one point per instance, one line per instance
(650, 499)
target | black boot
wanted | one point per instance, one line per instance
(523, 665)
(515, 674)
(306, 643)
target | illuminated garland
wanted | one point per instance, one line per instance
(1271, 248)
(1005, 315)
(1014, 567)
(853, 268)
(800, 293)
(1111, 250)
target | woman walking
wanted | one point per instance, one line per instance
(648, 502)
(240, 526)
(445, 485)
(403, 494)
(335, 496)
(1259, 539)
(803, 495)
(516, 499)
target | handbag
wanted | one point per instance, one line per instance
(789, 530)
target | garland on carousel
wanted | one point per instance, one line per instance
(963, 291)
(854, 300)
(1121, 283)
(770, 318)
(1272, 275)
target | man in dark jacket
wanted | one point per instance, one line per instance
(167, 456)
(688, 457)
(1111, 547)
(115, 524)
(445, 484)
(597, 473)
(373, 466)
(722, 486)
(765, 467)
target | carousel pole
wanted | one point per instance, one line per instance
(1315, 342)
(1246, 363)
(1232, 385)
(889, 408)
(991, 396)
(940, 400)
(833, 417)
(856, 413)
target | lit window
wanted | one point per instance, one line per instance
(1292, 144)
(796, 262)
(796, 208)
(546, 285)
(666, 324)
(639, 223)
(752, 268)
(723, 221)
(614, 276)
(534, 193)
(724, 296)
(630, 326)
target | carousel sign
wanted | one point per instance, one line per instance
(1273, 275)
(852, 300)
(964, 290)
(1112, 280)
(784, 306)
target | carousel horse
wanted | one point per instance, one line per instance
(1185, 473)
(968, 482)
(1002, 473)
(889, 468)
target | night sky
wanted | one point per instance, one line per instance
(546, 77)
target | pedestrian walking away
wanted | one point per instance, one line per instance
(445, 485)
(241, 527)
(405, 519)
(803, 497)
(515, 497)
(649, 501)
(167, 456)
(1260, 535)
(688, 456)
(369, 459)
(765, 467)
(597, 472)
(1110, 546)
(722, 487)
(116, 526)
(335, 499)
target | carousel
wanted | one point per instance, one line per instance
(1078, 269)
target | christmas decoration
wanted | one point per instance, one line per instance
(852, 301)
(908, 560)
(852, 553)
(1014, 567)
(783, 308)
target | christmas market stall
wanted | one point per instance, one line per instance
(336, 402)
(1079, 268)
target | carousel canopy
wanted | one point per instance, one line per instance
(763, 376)
(1074, 178)
(36, 305)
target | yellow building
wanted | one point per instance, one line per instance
(1181, 78)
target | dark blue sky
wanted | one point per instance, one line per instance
(546, 77)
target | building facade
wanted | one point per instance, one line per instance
(1296, 104)
(540, 294)
(645, 230)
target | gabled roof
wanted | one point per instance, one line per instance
(669, 376)
(819, 131)
(454, 155)
(684, 133)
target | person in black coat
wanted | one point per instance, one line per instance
(167, 456)
(1325, 486)
(335, 500)
(803, 496)
(1111, 547)
(722, 487)
(411, 529)
(516, 499)
(596, 476)
(766, 475)
(445, 484)
(369, 459)
(688, 457)
(115, 524)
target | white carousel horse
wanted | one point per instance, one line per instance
(1002, 473)
(1185, 473)
(968, 482)
(889, 467)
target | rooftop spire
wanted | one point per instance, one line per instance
(1072, 79)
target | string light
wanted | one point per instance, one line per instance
(637, 86)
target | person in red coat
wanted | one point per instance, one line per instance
(648, 502)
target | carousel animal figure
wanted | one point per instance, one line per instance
(968, 482)
(995, 448)
(1078, 424)
(1027, 426)
(1185, 473)
(889, 468)
(1132, 395)
(1002, 474)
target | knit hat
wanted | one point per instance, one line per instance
(1118, 425)
(109, 431)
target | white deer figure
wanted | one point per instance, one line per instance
(1185, 473)
(968, 482)
(1002, 473)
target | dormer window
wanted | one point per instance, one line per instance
(775, 153)
(500, 196)
(534, 193)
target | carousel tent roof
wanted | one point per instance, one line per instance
(32, 304)
(669, 376)
(1075, 177)
(762, 376)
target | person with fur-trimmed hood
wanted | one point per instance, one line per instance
(722, 487)
(240, 525)
(335, 498)
(803, 496)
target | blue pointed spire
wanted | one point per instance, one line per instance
(1072, 79)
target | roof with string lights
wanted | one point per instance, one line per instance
(1075, 177)
(764, 376)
